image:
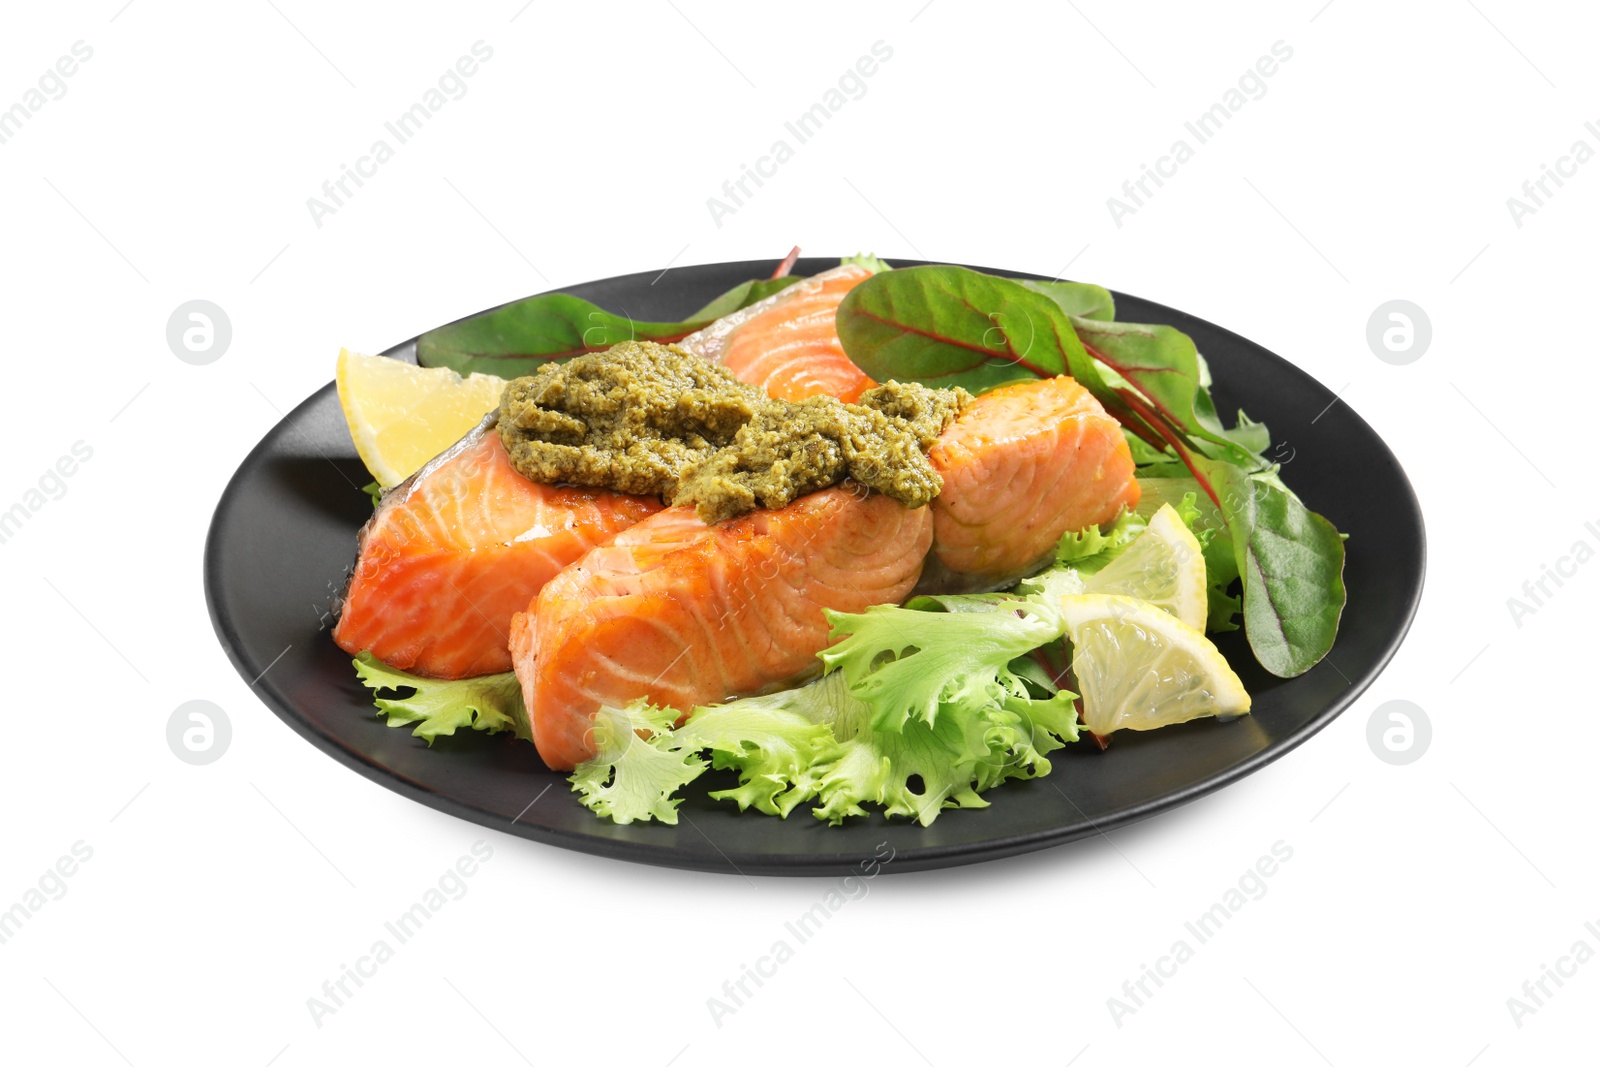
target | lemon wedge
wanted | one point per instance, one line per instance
(1139, 668)
(401, 415)
(1163, 565)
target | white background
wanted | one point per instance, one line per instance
(1376, 166)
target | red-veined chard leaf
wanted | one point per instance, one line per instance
(523, 336)
(1164, 370)
(949, 326)
(1290, 559)
(1246, 432)
(945, 325)
(742, 296)
(1078, 298)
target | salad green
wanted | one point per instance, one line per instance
(926, 706)
(490, 703)
(944, 325)
(524, 335)
(920, 708)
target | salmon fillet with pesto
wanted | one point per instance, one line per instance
(1022, 465)
(687, 614)
(453, 552)
(787, 344)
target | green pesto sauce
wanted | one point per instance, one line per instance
(656, 420)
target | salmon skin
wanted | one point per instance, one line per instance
(686, 614)
(1022, 465)
(453, 552)
(787, 344)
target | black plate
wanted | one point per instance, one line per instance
(283, 538)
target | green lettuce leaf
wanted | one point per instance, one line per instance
(914, 772)
(911, 664)
(921, 708)
(632, 777)
(492, 703)
(867, 261)
(775, 742)
(1087, 551)
(972, 748)
(818, 743)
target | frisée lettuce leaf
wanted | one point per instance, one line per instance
(818, 743)
(866, 261)
(777, 743)
(1087, 551)
(920, 769)
(920, 708)
(641, 762)
(911, 663)
(491, 703)
(632, 776)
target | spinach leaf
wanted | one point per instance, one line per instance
(1292, 563)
